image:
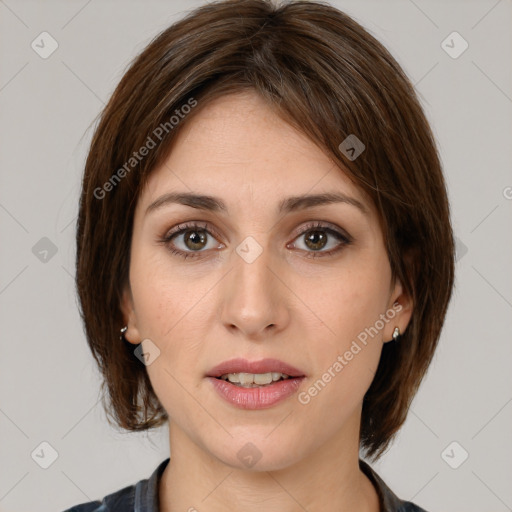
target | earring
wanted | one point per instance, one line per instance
(396, 333)
(123, 330)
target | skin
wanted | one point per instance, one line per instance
(285, 305)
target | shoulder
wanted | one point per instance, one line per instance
(91, 506)
(140, 496)
(407, 506)
(389, 501)
(120, 501)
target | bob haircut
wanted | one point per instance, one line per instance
(328, 77)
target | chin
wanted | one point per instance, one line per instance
(258, 452)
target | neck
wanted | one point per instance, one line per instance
(328, 479)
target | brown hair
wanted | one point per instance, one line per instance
(327, 76)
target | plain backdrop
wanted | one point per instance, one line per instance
(49, 386)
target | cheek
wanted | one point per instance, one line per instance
(346, 303)
(346, 357)
(164, 299)
(170, 311)
(173, 309)
(347, 308)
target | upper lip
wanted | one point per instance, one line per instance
(239, 365)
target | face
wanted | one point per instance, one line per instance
(302, 284)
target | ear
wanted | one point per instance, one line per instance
(399, 311)
(132, 334)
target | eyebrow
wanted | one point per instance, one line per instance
(287, 205)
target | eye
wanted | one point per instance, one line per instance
(189, 239)
(317, 237)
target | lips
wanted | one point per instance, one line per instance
(239, 365)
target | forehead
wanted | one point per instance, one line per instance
(237, 148)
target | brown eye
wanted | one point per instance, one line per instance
(316, 240)
(316, 237)
(195, 239)
(191, 240)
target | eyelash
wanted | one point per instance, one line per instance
(314, 226)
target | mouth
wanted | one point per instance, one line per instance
(274, 381)
(249, 374)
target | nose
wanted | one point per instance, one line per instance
(253, 298)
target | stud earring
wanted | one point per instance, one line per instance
(123, 330)
(396, 333)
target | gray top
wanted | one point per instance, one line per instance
(143, 496)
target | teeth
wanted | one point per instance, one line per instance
(261, 379)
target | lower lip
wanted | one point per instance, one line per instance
(256, 398)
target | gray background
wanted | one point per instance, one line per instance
(49, 386)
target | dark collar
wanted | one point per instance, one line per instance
(388, 500)
(146, 492)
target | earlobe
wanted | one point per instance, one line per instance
(129, 330)
(399, 312)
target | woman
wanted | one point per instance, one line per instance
(264, 258)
